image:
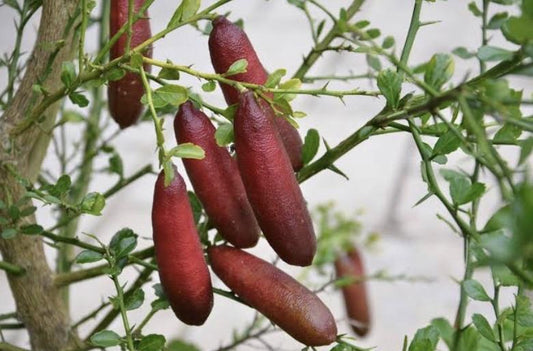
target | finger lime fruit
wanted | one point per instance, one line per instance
(270, 183)
(216, 179)
(124, 95)
(229, 43)
(182, 267)
(349, 265)
(282, 299)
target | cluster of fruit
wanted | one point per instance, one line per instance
(255, 192)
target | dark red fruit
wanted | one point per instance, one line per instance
(216, 179)
(124, 95)
(229, 43)
(355, 297)
(182, 268)
(270, 183)
(287, 303)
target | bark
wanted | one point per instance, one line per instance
(38, 301)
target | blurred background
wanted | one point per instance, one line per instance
(384, 173)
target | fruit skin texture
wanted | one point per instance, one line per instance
(270, 183)
(182, 268)
(229, 43)
(216, 179)
(124, 95)
(287, 303)
(355, 297)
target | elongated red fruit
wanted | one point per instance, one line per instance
(229, 43)
(278, 296)
(355, 297)
(182, 268)
(216, 179)
(270, 183)
(124, 95)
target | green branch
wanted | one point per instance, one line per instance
(313, 55)
(11, 268)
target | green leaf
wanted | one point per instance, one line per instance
(468, 340)
(11, 3)
(61, 186)
(209, 86)
(372, 33)
(526, 147)
(115, 74)
(374, 62)
(524, 314)
(68, 73)
(179, 345)
(275, 77)
(136, 60)
(439, 70)
(475, 290)
(474, 9)
(447, 143)
(70, 116)
(196, 206)
(123, 242)
(311, 145)
(425, 339)
(134, 300)
(503, 275)
(291, 84)
(105, 338)
(160, 304)
(507, 133)
(499, 219)
(499, 246)
(492, 53)
(388, 42)
(78, 99)
(169, 73)
(224, 134)
(463, 192)
(229, 112)
(187, 150)
(390, 85)
(31, 229)
(8, 233)
(527, 8)
(463, 53)
(519, 30)
(445, 329)
(27, 211)
(174, 95)
(497, 20)
(115, 165)
(93, 203)
(152, 342)
(88, 256)
(186, 10)
(362, 24)
(483, 326)
(237, 67)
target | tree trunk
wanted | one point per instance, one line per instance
(37, 300)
